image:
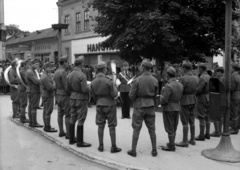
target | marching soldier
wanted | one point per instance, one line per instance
(203, 103)
(170, 100)
(13, 79)
(77, 85)
(218, 124)
(104, 90)
(188, 101)
(143, 93)
(235, 98)
(48, 87)
(62, 96)
(22, 91)
(33, 90)
(124, 89)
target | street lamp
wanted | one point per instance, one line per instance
(225, 151)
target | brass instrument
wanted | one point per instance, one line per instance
(129, 81)
(6, 76)
(18, 65)
(113, 66)
(37, 73)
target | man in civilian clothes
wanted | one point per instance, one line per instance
(124, 89)
(143, 93)
(77, 85)
(22, 91)
(170, 100)
(188, 101)
(62, 96)
(33, 90)
(104, 90)
(203, 103)
(13, 79)
(235, 98)
(218, 123)
(48, 86)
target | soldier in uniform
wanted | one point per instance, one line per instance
(218, 124)
(77, 85)
(235, 98)
(62, 96)
(33, 90)
(48, 87)
(22, 91)
(124, 89)
(143, 93)
(203, 103)
(170, 100)
(13, 79)
(188, 101)
(104, 90)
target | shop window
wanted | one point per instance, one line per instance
(78, 22)
(86, 20)
(66, 21)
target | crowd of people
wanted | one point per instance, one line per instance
(182, 93)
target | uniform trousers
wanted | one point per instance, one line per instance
(234, 109)
(108, 113)
(126, 104)
(78, 112)
(15, 100)
(170, 120)
(203, 111)
(187, 114)
(63, 106)
(22, 101)
(47, 109)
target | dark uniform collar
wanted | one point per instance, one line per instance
(147, 73)
(172, 79)
(101, 75)
(189, 73)
(77, 69)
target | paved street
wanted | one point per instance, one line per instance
(38, 153)
(23, 149)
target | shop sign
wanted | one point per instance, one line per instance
(98, 48)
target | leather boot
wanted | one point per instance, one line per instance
(60, 125)
(67, 122)
(30, 117)
(171, 146)
(80, 142)
(48, 127)
(234, 130)
(15, 111)
(114, 148)
(154, 146)
(184, 143)
(34, 119)
(207, 134)
(216, 133)
(192, 131)
(23, 118)
(72, 139)
(133, 152)
(201, 136)
(100, 138)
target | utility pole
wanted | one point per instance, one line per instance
(2, 30)
(225, 151)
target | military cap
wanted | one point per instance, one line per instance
(78, 60)
(202, 65)
(235, 65)
(220, 69)
(125, 64)
(171, 70)
(187, 65)
(47, 65)
(102, 65)
(13, 63)
(146, 63)
(63, 58)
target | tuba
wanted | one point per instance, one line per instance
(18, 65)
(116, 82)
(6, 76)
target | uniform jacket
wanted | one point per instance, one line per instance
(103, 90)
(77, 84)
(171, 95)
(21, 87)
(203, 88)
(60, 77)
(48, 85)
(144, 90)
(33, 83)
(157, 75)
(235, 85)
(124, 87)
(13, 78)
(189, 82)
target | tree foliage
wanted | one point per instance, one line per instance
(169, 30)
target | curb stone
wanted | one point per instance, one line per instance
(84, 154)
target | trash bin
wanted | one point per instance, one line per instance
(217, 99)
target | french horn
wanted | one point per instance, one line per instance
(18, 65)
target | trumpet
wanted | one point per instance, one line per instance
(129, 81)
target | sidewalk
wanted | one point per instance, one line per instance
(184, 158)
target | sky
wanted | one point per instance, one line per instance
(31, 15)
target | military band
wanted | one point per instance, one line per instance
(179, 97)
